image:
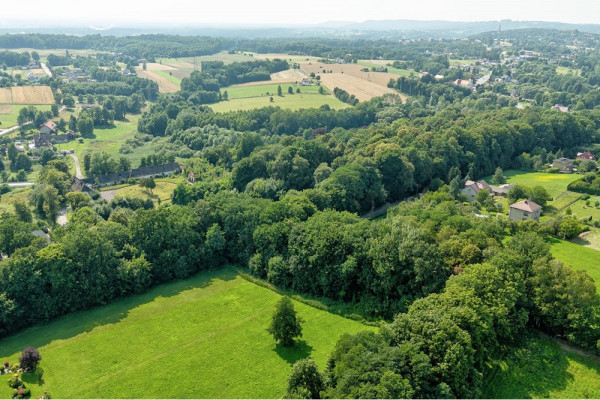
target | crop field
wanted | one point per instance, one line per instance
(166, 83)
(577, 256)
(542, 368)
(204, 337)
(26, 95)
(363, 85)
(287, 57)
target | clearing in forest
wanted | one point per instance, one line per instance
(204, 337)
(165, 85)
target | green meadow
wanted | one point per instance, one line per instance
(204, 337)
(10, 112)
(577, 256)
(541, 368)
(391, 70)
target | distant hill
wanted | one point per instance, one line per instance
(387, 29)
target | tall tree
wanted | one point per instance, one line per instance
(285, 325)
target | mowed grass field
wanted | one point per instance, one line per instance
(10, 112)
(203, 337)
(163, 190)
(256, 96)
(555, 184)
(577, 256)
(541, 368)
(382, 63)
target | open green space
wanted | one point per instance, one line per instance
(567, 71)
(541, 368)
(289, 102)
(577, 256)
(239, 92)
(580, 209)
(555, 184)
(108, 139)
(163, 190)
(204, 337)
(167, 76)
(10, 112)
(391, 70)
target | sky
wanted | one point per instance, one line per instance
(286, 13)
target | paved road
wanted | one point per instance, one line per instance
(46, 69)
(12, 128)
(77, 167)
(20, 184)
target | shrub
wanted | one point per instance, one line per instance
(15, 381)
(30, 357)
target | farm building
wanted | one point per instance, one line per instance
(501, 190)
(47, 140)
(586, 155)
(564, 165)
(142, 172)
(524, 210)
(305, 82)
(464, 82)
(472, 188)
(47, 128)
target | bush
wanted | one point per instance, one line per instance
(30, 357)
(15, 381)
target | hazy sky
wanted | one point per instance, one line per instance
(280, 12)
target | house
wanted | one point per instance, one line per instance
(142, 172)
(564, 165)
(32, 78)
(464, 82)
(305, 82)
(472, 188)
(586, 155)
(46, 140)
(524, 210)
(438, 77)
(560, 108)
(191, 177)
(48, 128)
(79, 185)
(501, 190)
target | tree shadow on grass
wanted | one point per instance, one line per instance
(36, 377)
(535, 369)
(291, 354)
(84, 321)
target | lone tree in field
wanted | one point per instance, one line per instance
(285, 325)
(305, 381)
(499, 177)
(30, 357)
(279, 91)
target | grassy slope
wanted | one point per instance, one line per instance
(9, 119)
(540, 368)
(168, 77)
(203, 337)
(577, 256)
(163, 190)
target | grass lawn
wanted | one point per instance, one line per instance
(581, 210)
(567, 71)
(290, 101)
(577, 256)
(204, 337)
(10, 112)
(7, 199)
(541, 368)
(241, 92)
(391, 70)
(163, 190)
(555, 184)
(106, 139)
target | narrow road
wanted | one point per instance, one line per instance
(12, 128)
(78, 173)
(20, 184)
(46, 69)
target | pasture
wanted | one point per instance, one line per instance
(166, 82)
(246, 91)
(363, 85)
(204, 337)
(555, 184)
(542, 368)
(383, 63)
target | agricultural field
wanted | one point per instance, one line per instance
(288, 101)
(204, 337)
(543, 368)
(577, 256)
(26, 95)
(384, 63)
(166, 83)
(363, 85)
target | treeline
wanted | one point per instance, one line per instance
(589, 184)
(13, 59)
(148, 46)
(344, 96)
